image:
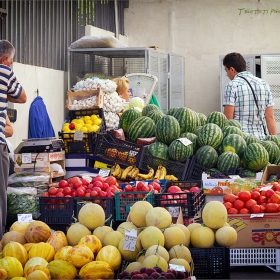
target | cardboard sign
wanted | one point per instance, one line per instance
(130, 240)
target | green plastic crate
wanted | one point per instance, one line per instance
(124, 201)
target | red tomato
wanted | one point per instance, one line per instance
(255, 195)
(244, 195)
(269, 193)
(63, 183)
(67, 190)
(255, 209)
(261, 200)
(238, 204)
(244, 211)
(272, 208)
(80, 192)
(263, 206)
(230, 198)
(111, 180)
(45, 194)
(249, 203)
(275, 198)
(228, 205)
(52, 191)
(60, 194)
(256, 189)
(217, 190)
(232, 211)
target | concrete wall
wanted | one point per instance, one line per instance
(201, 31)
(52, 87)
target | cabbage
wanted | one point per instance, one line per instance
(136, 102)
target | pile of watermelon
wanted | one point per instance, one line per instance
(217, 143)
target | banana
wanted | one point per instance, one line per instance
(162, 173)
(171, 178)
(133, 173)
(157, 175)
(147, 176)
(115, 170)
(125, 172)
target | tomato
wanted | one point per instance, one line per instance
(67, 190)
(60, 194)
(255, 209)
(272, 208)
(230, 198)
(275, 198)
(256, 189)
(228, 205)
(269, 193)
(217, 190)
(232, 211)
(80, 192)
(263, 206)
(52, 191)
(238, 204)
(249, 203)
(255, 195)
(63, 183)
(261, 200)
(45, 194)
(244, 195)
(244, 211)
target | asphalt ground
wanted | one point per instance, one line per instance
(253, 272)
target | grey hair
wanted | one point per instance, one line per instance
(6, 48)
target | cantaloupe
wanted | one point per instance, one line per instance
(13, 236)
(20, 227)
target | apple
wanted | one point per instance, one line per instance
(63, 183)
(194, 189)
(111, 180)
(72, 126)
(174, 189)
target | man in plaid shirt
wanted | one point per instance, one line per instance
(239, 103)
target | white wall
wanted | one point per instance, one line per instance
(52, 87)
(201, 30)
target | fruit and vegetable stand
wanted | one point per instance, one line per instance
(136, 206)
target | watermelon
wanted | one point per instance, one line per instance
(252, 139)
(235, 123)
(159, 149)
(273, 138)
(202, 119)
(142, 127)
(206, 156)
(192, 137)
(255, 157)
(231, 130)
(277, 161)
(155, 115)
(272, 149)
(179, 151)
(234, 143)
(196, 130)
(171, 111)
(148, 108)
(167, 129)
(187, 119)
(197, 119)
(128, 117)
(217, 118)
(228, 161)
(210, 134)
(248, 173)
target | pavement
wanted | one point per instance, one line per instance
(253, 272)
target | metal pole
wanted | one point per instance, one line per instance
(116, 18)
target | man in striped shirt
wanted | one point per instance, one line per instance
(12, 91)
(239, 102)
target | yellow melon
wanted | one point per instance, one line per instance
(133, 266)
(19, 227)
(96, 270)
(226, 236)
(13, 236)
(202, 237)
(92, 242)
(15, 249)
(91, 215)
(111, 255)
(101, 232)
(173, 236)
(126, 225)
(157, 250)
(186, 232)
(37, 275)
(58, 240)
(140, 258)
(12, 266)
(28, 246)
(80, 255)
(181, 262)
(180, 251)
(151, 236)
(3, 273)
(60, 269)
(214, 214)
(158, 217)
(37, 231)
(155, 260)
(127, 255)
(138, 211)
(75, 232)
(113, 238)
(43, 250)
(62, 253)
(38, 267)
(33, 262)
(193, 226)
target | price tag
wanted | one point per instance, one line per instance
(104, 172)
(78, 135)
(130, 240)
(268, 187)
(185, 141)
(132, 153)
(145, 183)
(174, 211)
(259, 175)
(24, 218)
(177, 267)
(258, 215)
(26, 158)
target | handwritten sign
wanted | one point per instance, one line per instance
(24, 218)
(130, 240)
(185, 141)
(174, 211)
(104, 172)
(243, 11)
(177, 267)
(78, 135)
(26, 158)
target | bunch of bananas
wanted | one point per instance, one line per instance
(160, 173)
(116, 171)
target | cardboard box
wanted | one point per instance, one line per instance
(270, 170)
(81, 95)
(216, 186)
(256, 230)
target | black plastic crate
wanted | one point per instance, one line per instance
(176, 168)
(211, 263)
(195, 170)
(107, 203)
(56, 210)
(109, 147)
(59, 227)
(190, 203)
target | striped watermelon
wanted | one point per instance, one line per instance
(227, 161)
(217, 118)
(210, 134)
(235, 123)
(252, 139)
(179, 151)
(171, 111)
(206, 156)
(202, 119)
(197, 129)
(148, 108)
(167, 129)
(143, 127)
(277, 161)
(197, 119)
(247, 173)
(272, 149)
(273, 138)
(255, 157)
(234, 143)
(159, 149)
(128, 117)
(227, 130)
(192, 137)
(155, 115)
(187, 119)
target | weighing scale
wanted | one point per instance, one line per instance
(142, 85)
(40, 145)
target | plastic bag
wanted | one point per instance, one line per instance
(28, 179)
(57, 168)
